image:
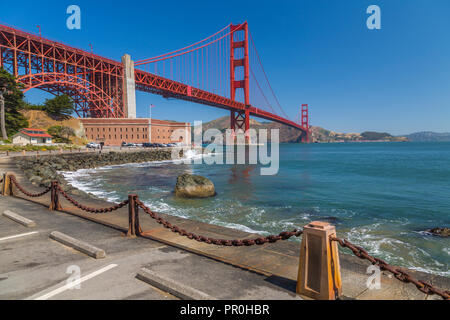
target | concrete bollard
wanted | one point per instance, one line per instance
(79, 245)
(60, 150)
(319, 275)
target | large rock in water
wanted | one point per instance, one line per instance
(191, 186)
(443, 232)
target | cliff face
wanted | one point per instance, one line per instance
(291, 135)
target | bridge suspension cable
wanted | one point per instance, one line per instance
(206, 65)
(257, 65)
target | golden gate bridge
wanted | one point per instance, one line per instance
(223, 70)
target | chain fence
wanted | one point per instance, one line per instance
(218, 242)
(400, 274)
(29, 194)
(88, 209)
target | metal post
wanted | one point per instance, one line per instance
(134, 228)
(7, 189)
(54, 196)
(3, 184)
(131, 216)
(319, 275)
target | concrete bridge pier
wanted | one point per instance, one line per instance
(129, 87)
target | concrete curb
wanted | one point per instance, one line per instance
(173, 287)
(19, 219)
(81, 246)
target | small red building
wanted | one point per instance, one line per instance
(32, 136)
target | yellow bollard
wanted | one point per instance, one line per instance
(319, 274)
(24, 152)
(3, 184)
(7, 186)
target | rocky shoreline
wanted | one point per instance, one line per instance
(43, 170)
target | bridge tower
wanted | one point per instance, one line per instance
(129, 87)
(305, 124)
(240, 119)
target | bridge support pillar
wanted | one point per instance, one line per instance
(240, 119)
(129, 87)
(306, 138)
(240, 123)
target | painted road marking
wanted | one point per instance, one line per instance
(75, 283)
(19, 235)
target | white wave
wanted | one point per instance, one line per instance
(237, 226)
(82, 180)
(394, 250)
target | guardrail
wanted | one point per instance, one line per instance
(319, 275)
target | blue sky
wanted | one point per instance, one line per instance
(319, 52)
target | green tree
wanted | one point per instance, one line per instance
(61, 134)
(67, 132)
(60, 107)
(13, 103)
(30, 106)
(370, 135)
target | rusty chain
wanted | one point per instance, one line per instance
(219, 242)
(91, 210)
(398, 273)
(28, 194)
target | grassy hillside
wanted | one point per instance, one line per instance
(40, 120)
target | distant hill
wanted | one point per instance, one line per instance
(428, 136)
(291, 135)
(287, 134)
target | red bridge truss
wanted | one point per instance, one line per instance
(223, 71)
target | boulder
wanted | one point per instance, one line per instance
(443, 232)
(192, 186)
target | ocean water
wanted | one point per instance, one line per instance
(381, 196)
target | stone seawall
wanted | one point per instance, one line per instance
(43, 170)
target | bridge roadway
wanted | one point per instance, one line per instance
(26, 272)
